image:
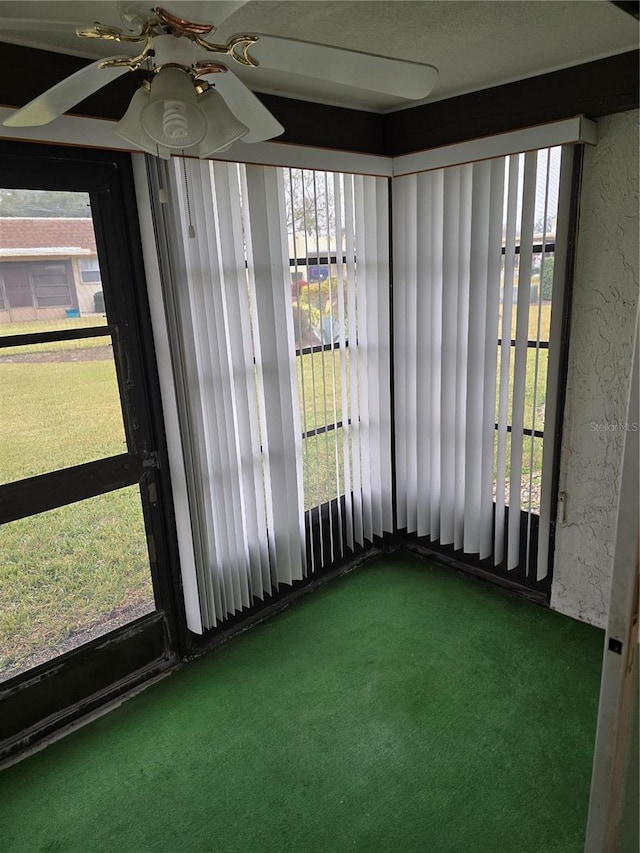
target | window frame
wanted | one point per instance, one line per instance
(52, 695)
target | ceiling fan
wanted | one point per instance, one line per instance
(177, 109)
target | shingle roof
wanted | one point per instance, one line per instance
(25, 233)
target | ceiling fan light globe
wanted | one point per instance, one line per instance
(130, 129)
(223, 128)
(172, 116)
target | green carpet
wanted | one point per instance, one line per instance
(401, 709)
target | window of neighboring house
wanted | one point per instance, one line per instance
(50, 284)
(89, 271)
(3, 304)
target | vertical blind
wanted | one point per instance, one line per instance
(234, 353)
(473, 369)
(339, 245)
(236, 358)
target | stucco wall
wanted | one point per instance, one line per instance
(605, 298)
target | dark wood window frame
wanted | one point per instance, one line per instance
(35, 703)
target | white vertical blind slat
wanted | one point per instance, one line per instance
(196, 365)
(450, 266)
(333, 248)
(505, 354)
(544, 164)
(409, 340)
(344, 358)
(354, 361)
(242, 375)
(487, 427)
(477, 336)
(401, 298)
(436, 274)
(383, 334)
(462, 323)
(362, 278)
(424, 238)
(269, 274)
(223, 481)
(521, 351)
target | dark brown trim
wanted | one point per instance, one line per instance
(416, 547)
(516, 578)
(323, 126)
(59, 488)
(594, 89)
(108, 178)
(631, 7)
(55, 335)
(58, 692)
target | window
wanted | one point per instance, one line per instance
(281, 339)
(339, 300)
(89, 271)
(475, 266)
(50, 285)
(82, 529)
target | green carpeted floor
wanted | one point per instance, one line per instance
(401, 709)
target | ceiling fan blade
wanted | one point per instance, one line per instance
(247, 108)
(64, 95)
(397, 77)
(27, 26)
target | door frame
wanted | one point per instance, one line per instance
(58, 692)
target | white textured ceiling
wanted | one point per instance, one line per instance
(474, 44)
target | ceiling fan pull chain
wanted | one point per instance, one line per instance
(191, 230)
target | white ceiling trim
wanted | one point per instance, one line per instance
(98, 133)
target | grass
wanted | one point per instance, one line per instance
(56, 414)
(67, 569)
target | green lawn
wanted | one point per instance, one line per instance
(67, 569)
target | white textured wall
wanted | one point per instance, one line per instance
(605, 298)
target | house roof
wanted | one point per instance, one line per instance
(74, 235)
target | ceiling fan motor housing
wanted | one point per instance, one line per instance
(173, 50)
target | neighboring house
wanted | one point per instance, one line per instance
(48, 268)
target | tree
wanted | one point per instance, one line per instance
(309, 201)
(44, 203)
